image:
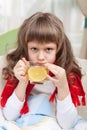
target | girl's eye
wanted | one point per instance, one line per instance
(34, 49)
(49, 49)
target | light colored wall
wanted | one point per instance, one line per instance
(12, 14)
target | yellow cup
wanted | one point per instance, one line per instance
(37, 73)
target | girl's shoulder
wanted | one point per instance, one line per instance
(76, 89)
(73, 77)
(8, 89)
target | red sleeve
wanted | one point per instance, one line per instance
(8, 90)
(76, 89)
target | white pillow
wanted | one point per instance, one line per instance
(82, 110)
(2, 64)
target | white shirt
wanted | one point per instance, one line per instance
(66, 113)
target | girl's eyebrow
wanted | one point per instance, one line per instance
(32, 45)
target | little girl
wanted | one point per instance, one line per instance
(51, 105)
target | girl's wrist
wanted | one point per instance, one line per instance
(62, 93)
(21, 90)
(23, 83)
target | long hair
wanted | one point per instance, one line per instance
(43, 27)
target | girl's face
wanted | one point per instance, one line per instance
(42, 53)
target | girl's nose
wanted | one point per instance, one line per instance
(41, 55)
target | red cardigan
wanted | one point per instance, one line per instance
(75, 86)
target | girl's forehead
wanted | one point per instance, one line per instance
(44, 44)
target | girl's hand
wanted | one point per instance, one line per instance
(59, 79)
(20, 70)
(59, 74)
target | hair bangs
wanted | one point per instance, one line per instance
(42, 31)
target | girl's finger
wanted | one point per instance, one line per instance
(53, 79)
(53, 68)
(25, 61)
